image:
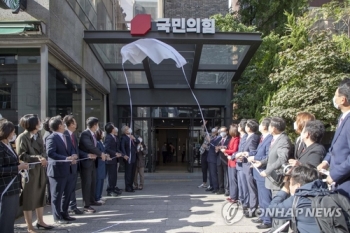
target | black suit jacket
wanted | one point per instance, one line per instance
(221, 158)
(313, 154)
(9, 170)
(87, 146)
(56, 150)
(298, 148)
(112, 146)
(125, 147)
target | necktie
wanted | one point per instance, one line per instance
(72, 138)
(222, 141)
(95, 141)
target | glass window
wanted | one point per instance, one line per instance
(134, 77)
(214, 78)
(124, 111)
(64, 94)
(19, 83)
(223, 54)
(94, 104)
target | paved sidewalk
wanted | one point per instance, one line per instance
(169, 202)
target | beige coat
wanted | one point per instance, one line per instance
(30, 150)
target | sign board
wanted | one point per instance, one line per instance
(182, 25)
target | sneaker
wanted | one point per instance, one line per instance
(202, 186)
(103, 199)
(100, 201)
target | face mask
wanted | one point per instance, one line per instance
(335, 104)
(13, 138)
(130, 131)
(41, 126)
(295, 126)
(261, 128)
(223, 134)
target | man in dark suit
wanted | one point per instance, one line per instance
(313, 152)
(212, 162)
(71, 127)
(128, 148)
(278, 155)
(338, 157)
(250, 146)
(112, 147)
(260, 154)
(89, 152)
(221, 161)
(242, 187)
(59, 147)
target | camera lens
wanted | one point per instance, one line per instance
(286, 168)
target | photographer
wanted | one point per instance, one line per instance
(313, 152)
(278, 155)
(303, 183)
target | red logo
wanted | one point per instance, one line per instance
(140, 25)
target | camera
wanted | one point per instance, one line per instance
(286, 169)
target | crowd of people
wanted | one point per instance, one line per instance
(50, 164)
(264, 170)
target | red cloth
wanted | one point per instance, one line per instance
(231, 149)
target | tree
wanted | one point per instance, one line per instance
(253, 89)
(269, 15)
(306, 73)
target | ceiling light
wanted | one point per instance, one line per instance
(65, 81)
(92, 98)
(163, 121)
(75, 88)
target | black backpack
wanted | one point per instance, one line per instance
(337, 222)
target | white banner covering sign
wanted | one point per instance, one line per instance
(156, 50)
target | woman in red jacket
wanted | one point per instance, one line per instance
(232, 172)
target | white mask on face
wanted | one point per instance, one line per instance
(130, 131)
(41, 126)
(223, 134)
(261, 128)
(335, 104)
(13, 138)
(295, 126)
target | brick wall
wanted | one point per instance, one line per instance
(194, 8)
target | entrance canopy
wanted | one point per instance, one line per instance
(213, 60)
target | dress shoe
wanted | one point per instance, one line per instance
(209, 189)
(61, 222)
(68, 218)
(96, 203)
(257, 220)
(130, 190)
(89, 210)
(76, 211)
(117, 189)
(215, 191)
(264, 226)
(112, 194)
(250, 214)
(44, 227)
(227, 193)
(220, 192)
